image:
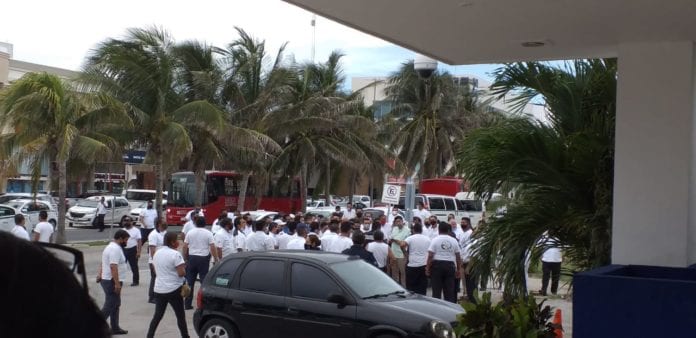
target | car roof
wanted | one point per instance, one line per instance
(315, 256)
(27, 200)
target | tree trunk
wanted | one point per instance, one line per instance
(303, 188)
(242, 192)
(62, 188)
(200, 180)
(159, 170)
(351, 186)
(260, 187)
(327, 186)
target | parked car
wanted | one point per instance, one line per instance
(136, 196)
(364, 199)
(258, 215)
(31, 210)
(293, 294)
(4, 198)
(85, 211)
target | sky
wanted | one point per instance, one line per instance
(61, 33)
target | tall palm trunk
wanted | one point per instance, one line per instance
(303, 188)
(351, 186)
(327, 185)
(159, 173)
(243, 191)
(199, 174)
(62, 188)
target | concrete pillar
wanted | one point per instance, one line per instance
(654, 221)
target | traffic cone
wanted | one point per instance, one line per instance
(558, 324)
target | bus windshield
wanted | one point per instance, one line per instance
(183, 191)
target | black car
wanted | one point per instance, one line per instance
(301, 294)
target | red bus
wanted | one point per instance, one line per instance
(221, 191)
(449, 186)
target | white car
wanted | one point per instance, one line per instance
(258, 215)
(85, 211)
(30, 209)
(4, 198)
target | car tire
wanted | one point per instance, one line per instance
(218, 328)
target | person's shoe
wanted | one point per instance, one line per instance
(134, 284)
(188, 307)
(119, 331)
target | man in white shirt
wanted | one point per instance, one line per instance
(421, 212)
(198, 211)
(551, 261)
(19, 230)
(298, 242)
(189, 225)
(380, 250)
(110, 276)
(283, 239)
(147, 221)
(216, 227)
(259, 240)
(444, 264)
(468, 282)
(418, 245)
(101, 212)
(342, 241)
(349, 213)
(238, 234)
(171, 268)
(198, 248)
(155, 241)
(224, 241)
(132, 249)
(329, 236)
(43, 231)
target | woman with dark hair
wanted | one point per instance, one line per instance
(64, 309)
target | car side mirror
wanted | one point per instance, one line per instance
(338, 299)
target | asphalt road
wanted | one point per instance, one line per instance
(76, 235)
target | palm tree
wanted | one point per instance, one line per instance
(48, 119)
(561, 171)
(141, 71)
(433, 115)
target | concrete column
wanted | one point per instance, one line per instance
(654, 221)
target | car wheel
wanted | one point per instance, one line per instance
(217, 328)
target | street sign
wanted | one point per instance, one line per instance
(391, 193)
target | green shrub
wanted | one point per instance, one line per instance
(521, 318)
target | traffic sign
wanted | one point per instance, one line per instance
(391, 194)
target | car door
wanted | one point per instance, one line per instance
(31, 210)
(309, 313)
(259, 301)
(122, 209)
(6, 218)
(217, 288)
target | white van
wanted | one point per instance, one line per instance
(137, 196)
(438, 205)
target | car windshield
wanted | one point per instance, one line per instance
(357, 273)
(87, 204)
(16, 205)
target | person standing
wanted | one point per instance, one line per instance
(551, 261)
(132, 249)
(468, 282)
(238, 234)
(224, 241)
(101, 212)
(198, 249)
(421, 212)
(443, 264)
(343, 240)
(380, 250)
(259, 240)
(43, 231)
(147, 221)
(19, 230)
(216, 227)
(155, 241)
(349, 213)
(398, 265)
(189, 225)
(418, 245)
(170, 268)
(112, 270)
(358, 249)
(299, 241)
(330, 235)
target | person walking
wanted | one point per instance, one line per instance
(380, 250)
(443, 264)
(198, 249)
(147, 221)
(259, 240)
(398, 265)
(551, 261)
(101, 212)
(132, 249)
(171, 269)
(154, 242)
(468, 282)
(19, 230)
(43, 231)
(417, 249)
(358, 249)
(112, 270)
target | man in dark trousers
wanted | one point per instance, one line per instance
(358, 249)
(111, 274)
(198, 248)
(101, 212)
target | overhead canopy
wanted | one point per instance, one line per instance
(493, 31)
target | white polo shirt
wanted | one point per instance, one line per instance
(101, 208)
(199, 240)
(20, 232)
(215, 228)
(283, 239)
(188, 227)
(464, 243)
(349, 214)
(418, 245)
(188, 214)
(155, 239)
(113, 254)
(45, 230)
(444, 248)
(297, 243)
(340, 243)
(147, 218)
(166, 260)
(225, 241)
(327, 239)
(134, 237)
(259, 241)
(240, 241)
(381, 251)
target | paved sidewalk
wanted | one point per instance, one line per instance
(136, 312)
